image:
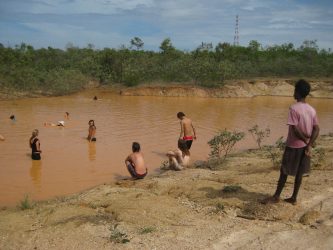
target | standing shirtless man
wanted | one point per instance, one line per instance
(187, 130)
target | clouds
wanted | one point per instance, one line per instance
(110, 23)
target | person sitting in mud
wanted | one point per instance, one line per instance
(135, 163)
(303, 130)
(179, 158)
(58, 124)
(187, 130)
(35, 145)
(91, 131)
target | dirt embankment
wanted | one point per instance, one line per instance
(241, 88)
(197, 208)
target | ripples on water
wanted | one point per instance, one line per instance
(70, 164)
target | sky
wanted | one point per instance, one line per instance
(188, 23)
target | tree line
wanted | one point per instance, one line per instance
(55, 71)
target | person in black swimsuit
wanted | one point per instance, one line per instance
(35, 145)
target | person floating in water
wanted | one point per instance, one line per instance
(303, 130)
(35, 145)
(58, 124)
(135, 163)
(179, 158)
(187, 130)
(12, 118)
(95, 98)
(91, 131)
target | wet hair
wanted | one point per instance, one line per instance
(33, 135)
(302, 87)
(12, 117)
(67, 113)
(180, 115)
(92, 122)
(183, 146)
(95, 98)
(135, 147)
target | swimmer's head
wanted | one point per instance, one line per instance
(35, 132)
(180, 115)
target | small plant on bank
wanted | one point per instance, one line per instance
(222, 143)
(231, 189)
(219, 207)
(275, 151)
(25, 203)
(117, 236)
(259, 134)
(318, 157)
(146, 230)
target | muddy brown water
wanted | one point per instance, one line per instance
(70, 164)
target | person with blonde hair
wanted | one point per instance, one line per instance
(35, 145)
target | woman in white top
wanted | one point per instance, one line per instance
(179, 158)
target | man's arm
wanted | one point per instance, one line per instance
(314, 136)
(194, 133)
(300, 134)
(181, 130)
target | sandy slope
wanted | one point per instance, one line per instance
(190, 209)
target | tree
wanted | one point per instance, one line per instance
(166, 46)
(137, 43)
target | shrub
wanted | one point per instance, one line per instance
(222, 143)
(25, 203)
(258, 134)
(275, 151)
(117, 236)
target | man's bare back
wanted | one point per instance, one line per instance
(136, 159)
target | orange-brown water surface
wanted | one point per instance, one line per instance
(70, 163)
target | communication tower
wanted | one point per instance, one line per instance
(236, 37)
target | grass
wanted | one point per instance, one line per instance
(117, 236)
(231, 189)
(25, 203)
(146, 230)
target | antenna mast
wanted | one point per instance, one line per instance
(236, 37)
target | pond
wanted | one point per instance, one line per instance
(70, 163)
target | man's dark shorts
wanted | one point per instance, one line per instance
(134, 174)
(295, 161)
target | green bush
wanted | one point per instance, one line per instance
(222, 143)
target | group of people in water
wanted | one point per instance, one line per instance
(135, 163)
(303, 130)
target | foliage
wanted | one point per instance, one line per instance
(231, 189)
(55, 71)
(147, 230)
(258, 134)
(275, 151)
(117, 236)
(222, 143)
(25, 203)
(318, 157)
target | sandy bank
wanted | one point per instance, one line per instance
(240, 88)
(196, 208)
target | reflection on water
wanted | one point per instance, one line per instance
(92, 150)
(70, 163)
(36, 174)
